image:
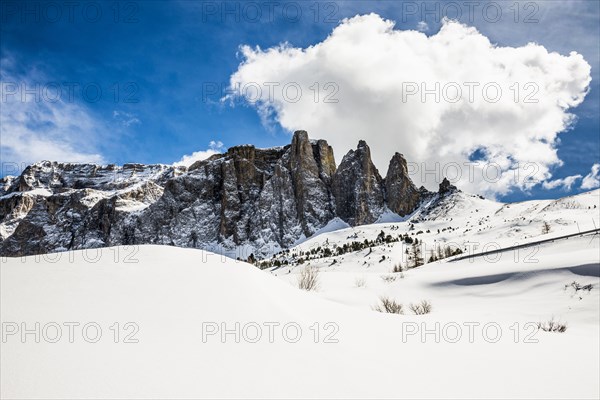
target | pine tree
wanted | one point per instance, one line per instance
(440, 252)
(415, 258)
(545, 228)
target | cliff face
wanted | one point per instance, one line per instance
(263, 198)
(311, 167)
(358, 187)
(402, 196)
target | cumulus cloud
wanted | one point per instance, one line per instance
(37, 127)
(214, 147)
(565, 183)
(592, 180)
(367, 80)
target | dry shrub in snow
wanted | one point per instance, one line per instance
(360, 282)
(424, 307)
(391, 278)
(552, 326)
(577, 286)
(389, 306)
(309, 278)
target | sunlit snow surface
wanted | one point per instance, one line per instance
(171, 294)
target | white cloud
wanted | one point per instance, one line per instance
(592, 180)
(47, 129)
(373, 67)
(126, 119)
(214, 147)
(565, 183)
(422, 26)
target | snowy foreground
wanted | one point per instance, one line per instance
(479, 341)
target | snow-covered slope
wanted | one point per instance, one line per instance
(457, 220)
(170, 294)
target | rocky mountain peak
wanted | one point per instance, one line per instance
(310, 183)
(300, 136)
(402, 195)
(446, 187)
(358, 187)
(398, 163)
(302, 152)
(245, 151)
(58, 177)
(266, 199)
(325, 160)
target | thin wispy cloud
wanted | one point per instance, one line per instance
(126, 119)
(37, 126)
(564, 183)
(592, 180)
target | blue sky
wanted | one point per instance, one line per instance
(162, 55)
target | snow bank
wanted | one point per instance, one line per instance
(178, 297)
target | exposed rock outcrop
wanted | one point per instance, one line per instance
(263, 198)
(402, 196)
(358, 187)
(311, 169)
(446, 187)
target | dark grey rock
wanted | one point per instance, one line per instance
(264, 198)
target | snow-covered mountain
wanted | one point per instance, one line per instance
(449, 223)
(259, 201)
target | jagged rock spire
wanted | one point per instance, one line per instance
(402, 196)
(358, 187)
(310, 167)
(446, 187)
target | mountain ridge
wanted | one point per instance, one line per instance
(264, 200)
